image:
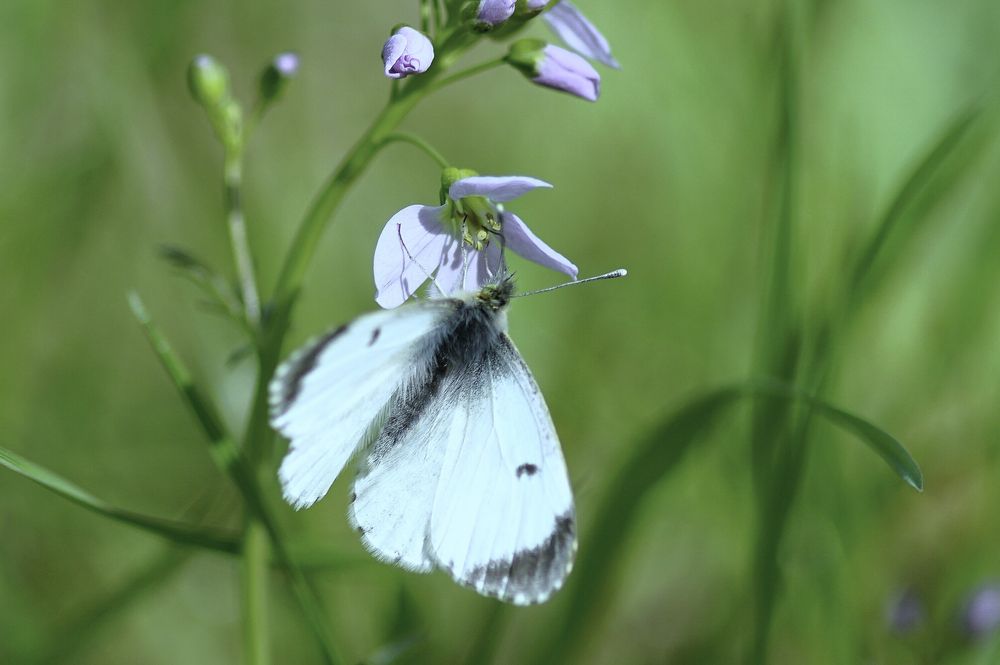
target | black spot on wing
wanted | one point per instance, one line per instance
(531, 575)
(299, 367)
(375, 334)
(527, 468)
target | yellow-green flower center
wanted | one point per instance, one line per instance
(475, 219)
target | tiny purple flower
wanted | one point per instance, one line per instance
(407, 52)
(494, 12)
(905, 612)
(460, 243)
(568, 72)
(578, 33)
(981, 615)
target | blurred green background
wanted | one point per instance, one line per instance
(104, 157)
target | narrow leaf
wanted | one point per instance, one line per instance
(881, 442)
(177, 532)
(884, 444)
(917, 186)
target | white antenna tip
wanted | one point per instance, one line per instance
(621, 272)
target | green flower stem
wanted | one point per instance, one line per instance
(311, 229)
(256, 642)
(242, 257)
(413, 139)
(227, 457)
(257, 448)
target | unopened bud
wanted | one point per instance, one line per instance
(276, 75)
(208, 81)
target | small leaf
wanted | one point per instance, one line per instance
(883, 443)
(924, 187)
(221, 297)
(177, 532)
(880, 441)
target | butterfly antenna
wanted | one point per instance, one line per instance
(614, 274)
(402, 243)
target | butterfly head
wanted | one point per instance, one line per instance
(495, 297)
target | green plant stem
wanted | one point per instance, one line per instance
(256, 642)
(259, 436)
(242, 258)
(413, 139)
(773, 434)
(308, 235)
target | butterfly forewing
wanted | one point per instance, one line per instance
(325, 398)
(503, 519)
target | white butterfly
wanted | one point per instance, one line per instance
(461, 467)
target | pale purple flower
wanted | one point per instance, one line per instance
(459, 243)
(981, 615)
(562, 70)
(535, 5)
(578, 33)
(494, 12)
(407, 52)
(287, 63)
(905, 612)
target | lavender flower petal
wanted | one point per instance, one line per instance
(484, 267)
(496, 188)
(409, 249)
(520, 239)
(495, 12)
(578, 33)
(406, 52)
(562, 70)
(481, 268)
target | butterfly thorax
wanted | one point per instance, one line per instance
(471, 330)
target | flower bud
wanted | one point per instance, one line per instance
(208, 81)
(277, 74)
(451, 175)
(555, 68)
(407, 52)
(492, 13)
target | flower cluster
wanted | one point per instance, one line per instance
(459, 245)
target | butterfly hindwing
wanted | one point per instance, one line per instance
(467, 475)
(325, 398)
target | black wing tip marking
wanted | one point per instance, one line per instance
(287, 381)
(531, 576)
